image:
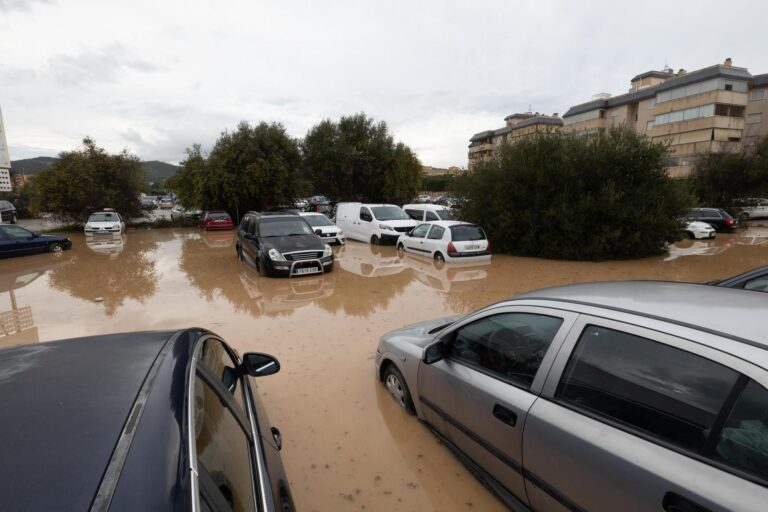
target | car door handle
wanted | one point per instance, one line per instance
(673, 502)
(505, 415)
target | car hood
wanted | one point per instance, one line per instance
(418, 334)
(103, 224)
(399, 223)
(294, 243)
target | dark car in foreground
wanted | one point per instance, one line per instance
(17, 241)
(754, 280)
(8, 212)
(623, 396)
(137, 421)
(282, 244)
(718, 218)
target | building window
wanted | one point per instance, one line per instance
(700, 88)
(729, 110)
(728, 87)
(757, 94)
(755, 118)
(649, 125)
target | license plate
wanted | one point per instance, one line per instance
(473, 247)
(308, 270)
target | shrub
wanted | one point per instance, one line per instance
(575, 197)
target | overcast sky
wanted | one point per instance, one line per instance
(156, 76)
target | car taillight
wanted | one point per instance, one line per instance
(729, 221)
(488, 248)
(451, 248)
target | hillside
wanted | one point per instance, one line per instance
(156, 171)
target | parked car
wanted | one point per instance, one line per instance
(166, 203)
(282, 244)
(447, 240)
(300, 204)
(755, 280)
(444, 201)
(424, 198)
(697, 230)
(428, 212)
(179, 212)
(216, 219)
(621, 396)
(325, 207)
(138, 421)
(106, 222)
(324, 228)
(17, 241)
(8, 212)
(757, 209)
(374, 223)
(716, 217)
(148, 204)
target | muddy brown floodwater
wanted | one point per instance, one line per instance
(347, 445)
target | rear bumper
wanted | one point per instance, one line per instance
(218, 228)
(471, 258)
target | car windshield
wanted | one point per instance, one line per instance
(445, 214)
(103, 217)
(318, 220)
(220, 215)
(389, 213)
(284, 227)
(466, 233)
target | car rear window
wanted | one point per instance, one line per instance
(445, 214)
(218, 215)
(466, 233)
(104, 217)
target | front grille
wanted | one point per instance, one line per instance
(403, 229)
(301, 256)
(329, 235)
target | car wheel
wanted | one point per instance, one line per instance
(400, 250)
(239, 252)
(691, 236)
(397, 388)
(375, 240)
(439, 258)
(56, 248)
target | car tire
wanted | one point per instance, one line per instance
(439, 258)
(239, 252)
(55, 248)
(375, 240)
(400, 250)
(691, 236)
(397, 388)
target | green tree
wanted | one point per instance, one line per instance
(253, 167)
(729, 180)
(86, 180)
(21, 198)
(580, 198)
(357, 159)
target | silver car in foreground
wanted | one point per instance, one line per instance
(624, 396)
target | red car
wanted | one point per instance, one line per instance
(216, 220)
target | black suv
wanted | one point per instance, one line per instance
(8, 212)
(718, 218)
(282, 244)
(138, 421)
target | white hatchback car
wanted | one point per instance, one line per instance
(104, 223)
(324, 228)
(447, 240)
(698, 230)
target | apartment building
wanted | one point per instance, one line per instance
(5, 160)
(484, 144)
(715, 109)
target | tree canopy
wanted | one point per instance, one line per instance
(575, 197)
(251, 168)
(357, 159)
(86, 180)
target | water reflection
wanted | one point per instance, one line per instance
(697, 248)
(282, 296)
(109, 245)
(369, 260)
(446, 277)
(219, 239)
(17, 324)
(752, 235)
(109, 276)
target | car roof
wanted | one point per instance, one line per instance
(724, 311)
(65, 405)
(425, 206)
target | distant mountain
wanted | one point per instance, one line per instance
(156, 171)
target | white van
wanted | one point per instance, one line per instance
(428, 212)
(374, 223)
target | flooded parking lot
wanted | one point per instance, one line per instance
(347, 446)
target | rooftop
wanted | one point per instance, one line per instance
(532, 121)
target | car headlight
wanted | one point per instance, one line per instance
(340, 233)
(275, 255)
(385, 227)
(327, 251)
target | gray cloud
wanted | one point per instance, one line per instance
(20, 5)
(91, 66)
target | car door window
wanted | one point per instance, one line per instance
(215, 356)
(743, 442)
(414, 214)
(661, 391)
(758, 284)
(508, 345)
(436, 233)
(431, 216)
(365, 214)
(17, 233)
(420, 231)
(223, 452)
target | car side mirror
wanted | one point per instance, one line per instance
(318, 231)
(256, 364)
(434, 353)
